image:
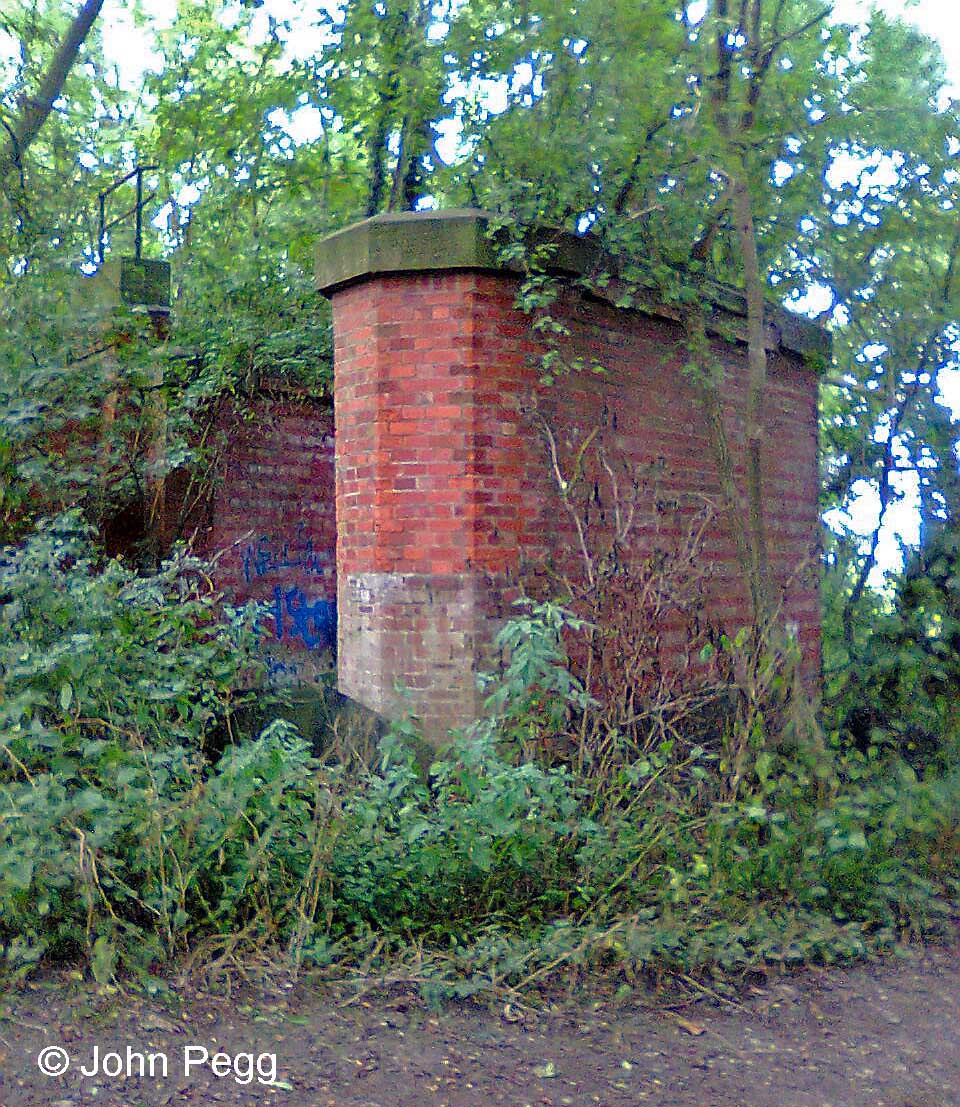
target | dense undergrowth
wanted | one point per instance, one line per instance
(138, 830)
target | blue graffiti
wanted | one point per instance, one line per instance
(263, 558)
(294, 616)
(282, 672)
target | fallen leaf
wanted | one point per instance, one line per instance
(153, 1021)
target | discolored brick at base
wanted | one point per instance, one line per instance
(413, 642)
(445, 486)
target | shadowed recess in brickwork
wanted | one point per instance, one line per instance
(273, 530)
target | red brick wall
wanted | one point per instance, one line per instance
(272, 523)
(443, 481)
(408, 481)
(649, 417)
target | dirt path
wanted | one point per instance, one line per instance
(883, 1035)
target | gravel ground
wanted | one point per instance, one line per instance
(883, 1034)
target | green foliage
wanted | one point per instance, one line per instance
(91, 649)
(511, 871)
(485, 837)
(119, 838)
(894, 683)
(856, 841)
(536, 692)
(123, 843)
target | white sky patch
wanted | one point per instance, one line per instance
(448, 144)
(303, 124)
(936, 18)
(306, 33)
(522, 76)
(814, 302)
(874, 172)
(948, 381)
(9, 49)
(493, 95)
(901, 528)
(131, 48)
(189, 194)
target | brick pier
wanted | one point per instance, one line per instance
(443, 483)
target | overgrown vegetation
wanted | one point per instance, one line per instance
(692, 818)
(131, 826)
(130, 838)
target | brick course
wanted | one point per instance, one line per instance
(443, 484)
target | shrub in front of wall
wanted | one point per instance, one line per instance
(120, 841)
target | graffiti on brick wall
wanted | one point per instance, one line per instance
(267, 556)
(301, 618)
(302, 670)
(282, 672)
(297, 616)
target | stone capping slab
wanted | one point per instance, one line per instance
(145, 284)
(458, 239)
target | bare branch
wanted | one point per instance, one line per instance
(885, 492)
(630, 181)
(758, 77)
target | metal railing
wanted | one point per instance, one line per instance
(137, 211)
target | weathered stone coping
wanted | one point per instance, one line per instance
(458, 239)
(137, 285)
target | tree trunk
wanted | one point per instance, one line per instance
(756, 387)
(36, 109)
